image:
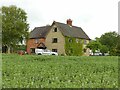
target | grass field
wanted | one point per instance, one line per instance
(32, 71)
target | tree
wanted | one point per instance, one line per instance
(110, 40)
(118, 46)
(104, 49)
(94, 45)
(14, 25)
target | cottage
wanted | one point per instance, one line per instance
(59, 37)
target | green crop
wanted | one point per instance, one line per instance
(33, 71)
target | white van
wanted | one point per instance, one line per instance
(44, 52)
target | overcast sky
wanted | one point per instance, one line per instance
(95, 17)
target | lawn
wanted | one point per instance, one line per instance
(33, 71)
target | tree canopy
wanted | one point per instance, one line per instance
(94, 45)
(109, 41)
(14, 25)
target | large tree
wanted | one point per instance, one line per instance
(14, 25)
(94, 45)
(118, 46)
(110, 39)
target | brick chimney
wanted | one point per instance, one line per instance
(69, 22)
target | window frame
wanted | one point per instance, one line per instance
(77, 40)
(54, 50)
(55, 29)
(54, 40)
(70, 40)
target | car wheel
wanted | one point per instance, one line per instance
(53, 54)
(39, 54)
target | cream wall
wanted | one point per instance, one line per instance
(60, 45)
(61, 41)
(87, 53)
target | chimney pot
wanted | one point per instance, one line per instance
(69, 22)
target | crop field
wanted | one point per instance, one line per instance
(33, 71)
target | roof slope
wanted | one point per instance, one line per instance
(39, 32)
(67, 30)
(72, 31)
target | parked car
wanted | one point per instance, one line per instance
(44, 52)
(96, 54)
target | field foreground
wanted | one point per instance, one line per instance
(32, 71)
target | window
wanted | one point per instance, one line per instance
(84, 50)
(71, 51)
(36, 40)
(54, 40)
(85, 42)
(69, 40)
(55, 29)
(77, 40)
(81, 41)
(54, 50)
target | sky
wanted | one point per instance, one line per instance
(95, 17)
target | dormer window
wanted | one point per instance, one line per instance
(55, 30)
